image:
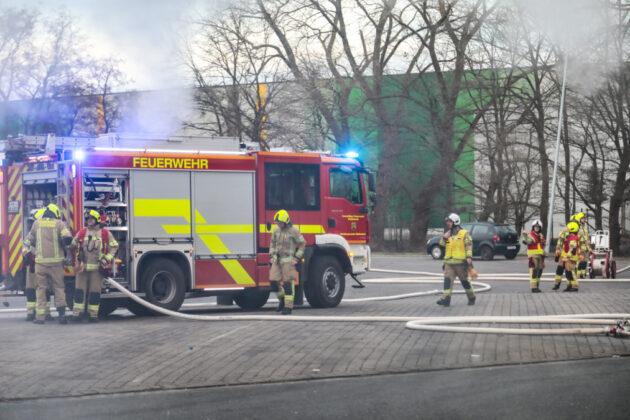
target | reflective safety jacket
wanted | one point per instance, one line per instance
(93, 244)
(284, 241)
(584, 239)
(47, 238)
(561, 237)
(571, 243)
(535, 243)
(458, 247)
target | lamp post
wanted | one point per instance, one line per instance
(555, 162)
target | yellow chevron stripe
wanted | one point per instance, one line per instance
(145, 207)
(13, 191)
(199, 218)
(14, 239)
(177, 229)
(14, 255)
(233, 267)
(210, 229)
(14, 174)
(18, 261)
(14, 223)
(301, 228)
(225, 229)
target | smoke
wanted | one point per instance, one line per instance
(146, 36)
(579, 30)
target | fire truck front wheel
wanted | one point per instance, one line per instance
(163, 282)
(326, 282)
(252, 298)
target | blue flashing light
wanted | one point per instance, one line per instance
(79, 155)
(352, 155)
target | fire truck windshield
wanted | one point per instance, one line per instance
(346, 183)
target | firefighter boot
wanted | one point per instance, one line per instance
(286, 311)
(93, 320)
(471, 300)
(280, 304)
(62, 315)
(445, 301)
(30, 317)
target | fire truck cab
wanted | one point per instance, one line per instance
(193, 216)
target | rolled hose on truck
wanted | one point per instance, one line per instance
(621, 328)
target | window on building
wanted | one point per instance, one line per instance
(292, 186)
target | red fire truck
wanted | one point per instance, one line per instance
(193, 216)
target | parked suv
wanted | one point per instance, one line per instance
(489, 239)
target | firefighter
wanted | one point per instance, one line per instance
(285, 238)
(560, 267)
(31, 282)
(570, 252)
(50, 237)
(96, 248)
(457, 259)
(585, 249)
(535, 241)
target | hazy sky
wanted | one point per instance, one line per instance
(144, 33)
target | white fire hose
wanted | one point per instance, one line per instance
(429, 323)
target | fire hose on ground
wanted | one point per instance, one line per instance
(621, 326)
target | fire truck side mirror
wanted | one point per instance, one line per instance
(268, 226)
(371, 182)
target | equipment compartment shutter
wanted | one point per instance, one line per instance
(161, 204)
(224, 217)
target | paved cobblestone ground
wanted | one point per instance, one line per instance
(125, 353)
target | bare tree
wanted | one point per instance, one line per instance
(236, 77)
(445, 29)
(16, 32)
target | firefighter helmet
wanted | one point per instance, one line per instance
(573, 227)
(54, 210)
(39, 213)
(577, 217)
(536, 223)
(282, 216)
(453, 218)
(93, 213)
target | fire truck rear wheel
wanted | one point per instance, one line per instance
(137, 309)
(326, 283)
(106, 307)
(163, 282)
(252, 298)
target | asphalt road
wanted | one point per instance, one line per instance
(591, 389)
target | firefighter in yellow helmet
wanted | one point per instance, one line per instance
(569, 255)
(564, 233)
(96, 248)
(457, 259)
(535, 241)
(49, 236)
(286, 250)
(585, 241)
(31, 281)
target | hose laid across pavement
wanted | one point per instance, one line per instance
(422, 323)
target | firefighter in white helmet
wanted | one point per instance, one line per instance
(49, 236)
(286, 251)
(31, 281)
(457, 259)
(535, 241)
(96, 248)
